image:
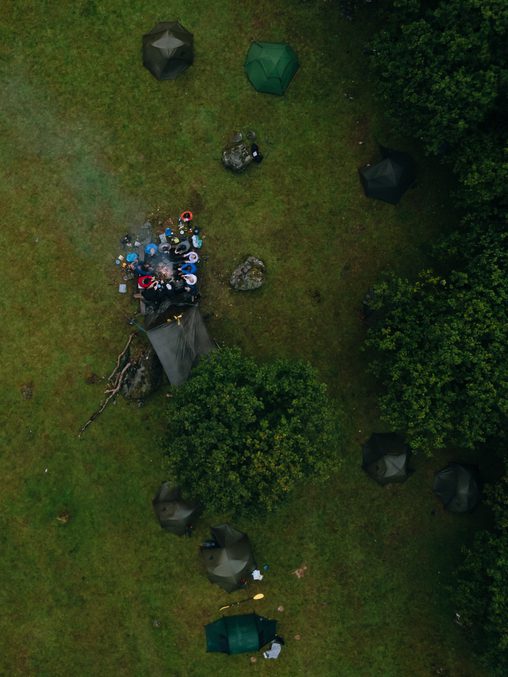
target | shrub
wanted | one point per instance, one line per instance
(440, 348)
(481, 595)
(241, 435)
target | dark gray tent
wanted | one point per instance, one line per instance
(385, 458)
(457, 486)
(231, 562)
(180, 342)
(173, 513)
(389, 179)
(168, 50)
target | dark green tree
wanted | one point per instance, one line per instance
(481, 167)
(440, 347)
(443, 67)
(241, 434)
(481, 594)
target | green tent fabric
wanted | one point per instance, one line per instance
(179, 344)
(168, 50)
(270, 66)
(174, 514)
(457, 486)
(231, 562)
(385, 458)
(389, 179)
(238, 634)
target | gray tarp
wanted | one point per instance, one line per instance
(179, 343)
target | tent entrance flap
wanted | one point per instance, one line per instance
(179, 343)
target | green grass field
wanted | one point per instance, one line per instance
(90, 143)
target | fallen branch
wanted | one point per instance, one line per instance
(112, 394)
(121, 355)
(115, 380)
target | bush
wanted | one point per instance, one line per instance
(443, 67)
(440, 348)
(481, 595)
(241, 435)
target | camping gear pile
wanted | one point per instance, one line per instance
(166, 279)
(166, 272)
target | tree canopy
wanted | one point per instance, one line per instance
(443, 67)
(481, 594)
(241, 434)
(440, 348)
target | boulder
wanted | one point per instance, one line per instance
(250, 275)
(236, 157)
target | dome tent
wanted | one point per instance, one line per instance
(270, 66)
(174, 514)
(231, 562)
(458, 487)
(168, 50)
(385, 458)
(238, 634)
(389, 179)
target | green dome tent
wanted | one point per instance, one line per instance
(457, 486)
(231, 562)
(389, 179)
(168, 50)
(270, 66)
(385, 458)
(174, 514)
(238, 634)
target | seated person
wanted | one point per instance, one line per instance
(152, 295)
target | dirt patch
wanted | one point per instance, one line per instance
(27, 390)
(360, 133)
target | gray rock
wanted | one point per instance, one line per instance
(251, 135)
(237, 137)
(145, 376)
(236, 157)
(250, 275)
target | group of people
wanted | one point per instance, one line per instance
(168, 271)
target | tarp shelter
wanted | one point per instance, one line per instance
(179, 343)
(238, 634)
(270, 66)
(457, 486)
(385, 458)
(389, 179)
(168, 50)
(231, 563)
(173, 513)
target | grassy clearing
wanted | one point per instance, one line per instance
(89, 143)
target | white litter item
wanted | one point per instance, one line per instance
(273, 651)
(122, 288)
(257, 575)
